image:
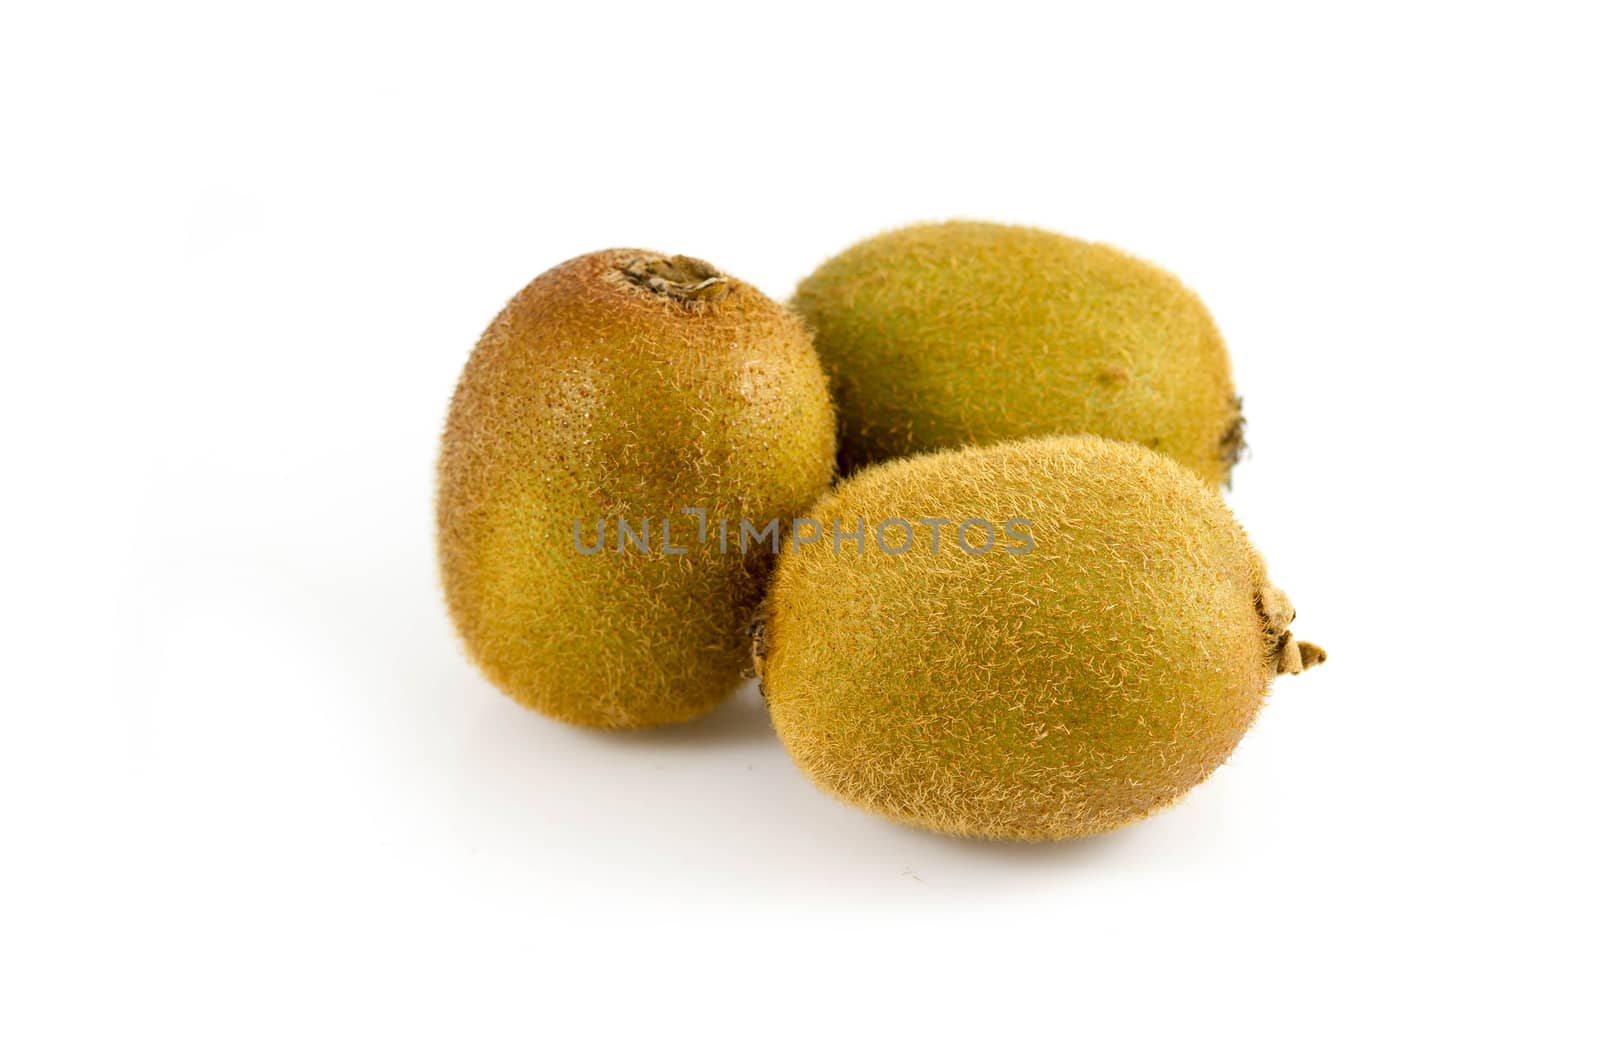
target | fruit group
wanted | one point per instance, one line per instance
(942, 335)
(1022, 692)
(624, 386)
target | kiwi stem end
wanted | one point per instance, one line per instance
(1289, 656)
(688, 280)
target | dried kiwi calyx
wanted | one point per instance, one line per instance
(689, 280)
(1233, 447)
(1289, 655)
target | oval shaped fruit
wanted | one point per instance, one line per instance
(942, 335)
(627, 401)
(1102, 655)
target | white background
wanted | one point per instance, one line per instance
(256, 804)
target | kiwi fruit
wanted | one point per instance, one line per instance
(616, 415)
(942, 335)
(1085, 637)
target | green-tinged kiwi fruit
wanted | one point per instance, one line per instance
(617, 411)
(1086, 636)
(942, 335)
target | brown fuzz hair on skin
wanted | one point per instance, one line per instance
(1047, 693)
(942, 335)
(624, 385)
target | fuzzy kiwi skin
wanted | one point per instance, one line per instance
(941, 335)
(1059, 692)
(624, 384)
